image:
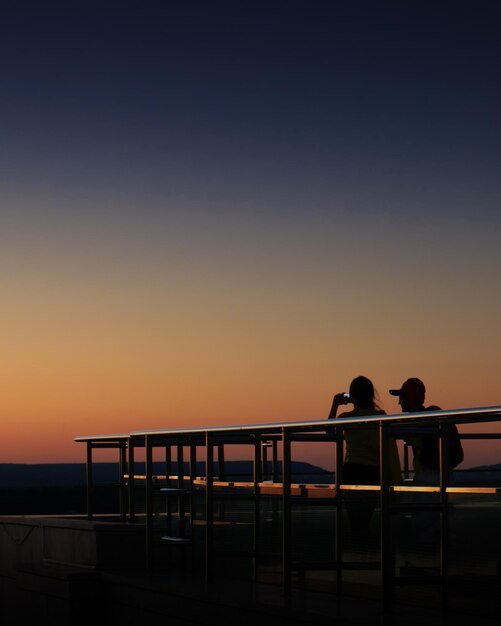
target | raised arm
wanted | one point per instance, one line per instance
(338, 400)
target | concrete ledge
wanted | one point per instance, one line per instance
(59, 595)
(75, 541)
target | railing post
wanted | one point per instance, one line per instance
(444, 513)
(193, 461)
(168, 463)
(180, 483)
(122, 464)
(264, 471)
(220, 462)
(209, 507)
(149, 500)
(275, 461)
(339, 510)
(257, 477)
(180, 466)
(286, 514)
(130, 469)
(193, 477)
(90, 485)
(387, 573)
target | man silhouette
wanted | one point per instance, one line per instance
(426, 444)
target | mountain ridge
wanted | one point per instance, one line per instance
(25, 475)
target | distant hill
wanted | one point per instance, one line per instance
(59, 488)
(490, 468)
(18, 476)
(21, 476)
(480, 476)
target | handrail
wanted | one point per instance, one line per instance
(86, 438)
(440, 415)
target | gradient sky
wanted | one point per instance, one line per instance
(221, 212)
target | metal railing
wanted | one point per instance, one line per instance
(280, 436)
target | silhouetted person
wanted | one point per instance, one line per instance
(425, 445)
(361, 461)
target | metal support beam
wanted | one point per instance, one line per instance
(209, 508)
(90, 484)
(339, 510)
(149, 501)
(130, 471)
(122, 464)
(444, 515)
(387, 574)
(286, 514)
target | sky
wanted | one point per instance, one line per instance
(221, 212)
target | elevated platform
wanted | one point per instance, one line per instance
(73, 571)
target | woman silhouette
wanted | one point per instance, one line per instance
(361, 460)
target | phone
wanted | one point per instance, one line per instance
(346, 397)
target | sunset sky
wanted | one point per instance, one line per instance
(221, 212)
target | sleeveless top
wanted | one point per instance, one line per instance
(362, 445)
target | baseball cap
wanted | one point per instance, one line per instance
(413, 387)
